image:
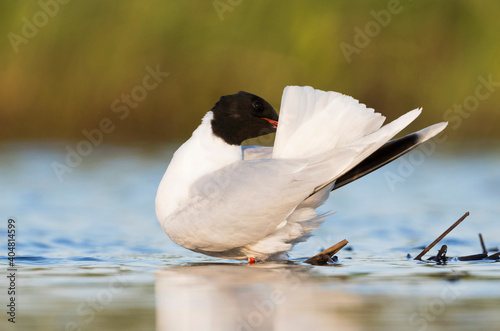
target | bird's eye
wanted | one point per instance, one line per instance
(257, 105)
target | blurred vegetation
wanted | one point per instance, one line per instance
(65, 78)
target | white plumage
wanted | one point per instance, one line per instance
(232, 202)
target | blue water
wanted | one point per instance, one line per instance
(91, 254)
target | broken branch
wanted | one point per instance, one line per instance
(428, 248)
(323, 257)
(485, 251)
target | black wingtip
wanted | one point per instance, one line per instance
(382, 156)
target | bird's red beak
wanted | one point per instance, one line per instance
(275, 123)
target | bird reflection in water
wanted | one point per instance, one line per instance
(266, 296)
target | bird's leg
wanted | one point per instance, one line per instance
(251, 260)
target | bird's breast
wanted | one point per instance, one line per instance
(201, 155)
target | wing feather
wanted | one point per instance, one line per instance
(248, 200)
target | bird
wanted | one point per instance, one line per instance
(255, 203)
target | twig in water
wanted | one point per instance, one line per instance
(495, 256)
(485, 251)
(419, 256)
(326, 256)
(474, 257)
(441, 255)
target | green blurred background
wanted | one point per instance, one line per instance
(64, 77)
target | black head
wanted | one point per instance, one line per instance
(241, 116)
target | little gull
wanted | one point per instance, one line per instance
(252, 202)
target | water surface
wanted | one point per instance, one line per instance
(92, 256)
